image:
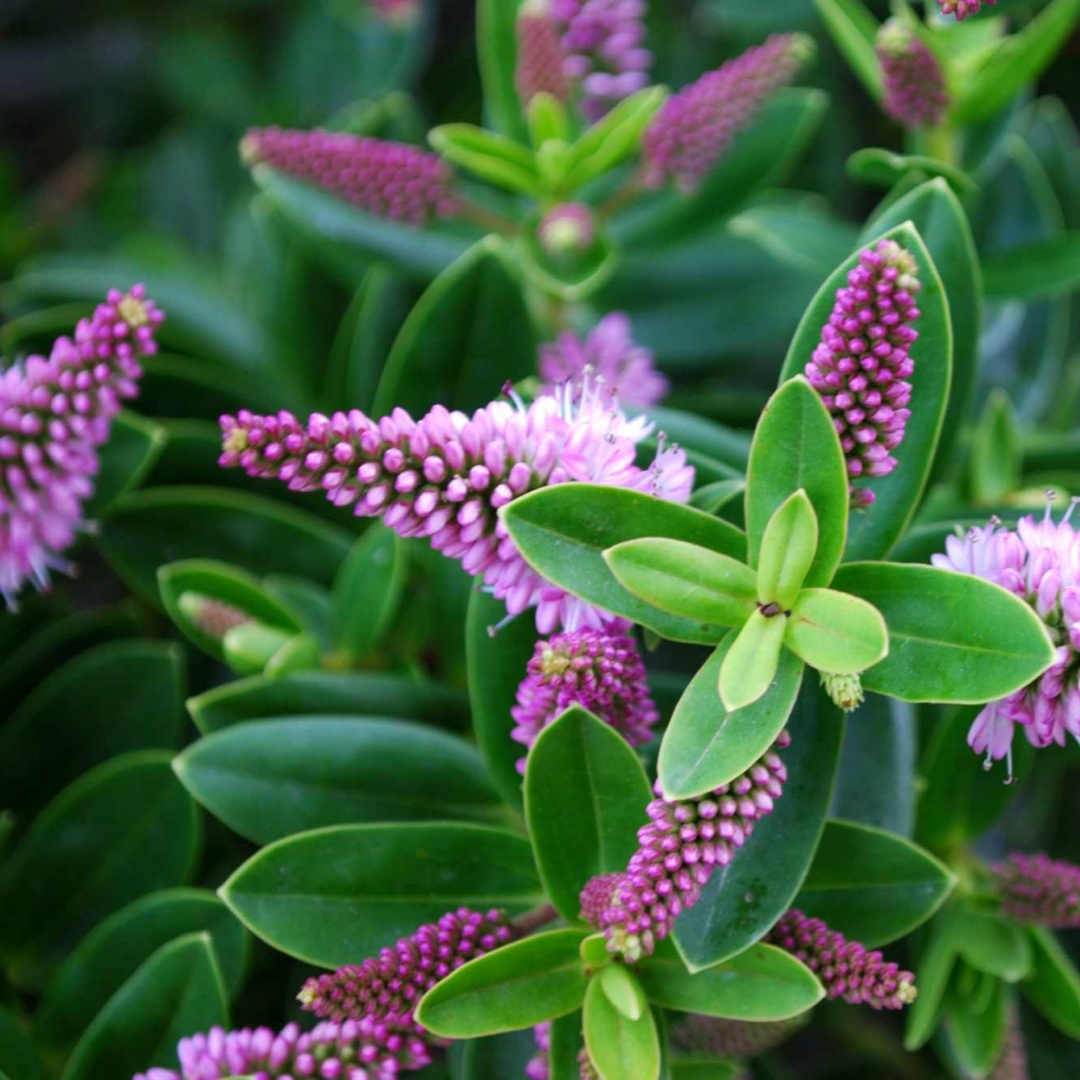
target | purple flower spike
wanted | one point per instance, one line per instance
(388, 179)
(215, 618)
(711, 1036)
(1040, 890)
(962, 8)
(846, 969)
(611, 354)
(355, 1050)
(862, 365)
(697, 126)
(539, 1067)
(445, 476)
(568, 230)
(915, 92)
(680, 847)
(389, 986)
(54, 414)
(1013, 1062)
(541, 59)
(604, 45)
(1040, 563)
(600, 670)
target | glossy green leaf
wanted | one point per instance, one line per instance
(996, 945)
(219, 581)
(752, 663)
(563, 531)
(517, 986)
(306, 693)
(80, 859)
(854, 30)
(367, 592)
(763, 983)
(488, 155)
(935, 963)
(348, 240)
(332, 895)
(591, 828)
(976, 1029)
(872, 533)
(761, 154)
(1019, 60)
(623, 990)
(1052, 133)
(1035, 271)
(147, 715)
(1054, 986)
(871, 885)
(500, 1055)
(443, 353)
(712, 498)
(619, 1048)
(883, 168)
(796, 448)
(125, 460)
(175, 993)
(147, 529)
(996, 455)
(498, 657)
(835, 632)
(743, 900)
(270, 779)
(251, 647)
(935, 211)
(19, 1058)
(115, 948)
(496, 47)
(788, 546)
(952, 637)
(685, 580)
(704, 747)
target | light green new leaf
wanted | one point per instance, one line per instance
(685, 580)
(490, 156)
(619, 1048)
(496, 47)
(788, 547)
(623, 990)
(836, 633)
(752, 661)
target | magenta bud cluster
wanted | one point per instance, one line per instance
(610, 353)
(354, 1050)
(915, 90)
(680, 847)
(55, 413)
(600, 670)
(847, 969)
(962, 8)
(862, 366)
(1039, 890)
(389, 986)
(697, 126)
(388, 179)
(446, 476)
(541, 59)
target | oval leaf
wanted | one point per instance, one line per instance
(619, 1048)
(837, 633)
(996, 945)
(749, 669)
(787, 551)
(623, 990)
(367, 592)
(1054, 986)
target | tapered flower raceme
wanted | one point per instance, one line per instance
(364, 1050)
(680, 847)
(54, 414)
(567, 230)
(732, 1038)
(1012, 1064)
(697, 126)
(963, 8)
(213, 617)
(388, 179)
(610, 352)
(915, 92)
(541, 59)
(600, 670)
(1040, 563)
(863, 363)
(1040, 890)
(445, 476)
(389, 986)
(846, 969)
(604, 44)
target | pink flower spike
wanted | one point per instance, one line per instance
(541, 59)
(1039, 890)
(962, 8)
(915, 92)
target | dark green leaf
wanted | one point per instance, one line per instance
(619, 1048)
(82, 858)
(883, 168)
(563, 531)
(854, 30)
(935, 963)
(517, 986)
(18, 1057)
(975, 1029)
(1035, 271)
(871, 885)
(761, 984)
(125, 460)
(175, 993)
(744, 899)
(333, 896)
(796, 447)
(114, 949)
(996, 455)
(270, 779)
(1054, 987)
(953, 637)
(591, 828)
(367, 592)
(996, 945)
